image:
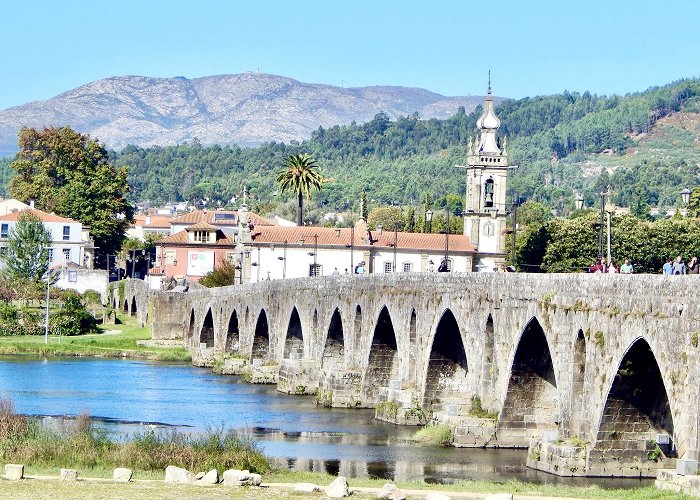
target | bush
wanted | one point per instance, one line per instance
(434, 435)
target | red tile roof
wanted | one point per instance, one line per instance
(210, 217)
(43, 216)
(182, 237)
(201, 226)
(341, 237)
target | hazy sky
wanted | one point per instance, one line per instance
(531, 47)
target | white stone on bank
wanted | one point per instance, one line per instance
(14, 472)
(122, 475)
(338, 488)
(68, 475)
(391, 492)
(178, 475)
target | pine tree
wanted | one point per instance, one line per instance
(27, 255)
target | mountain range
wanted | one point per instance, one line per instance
(245, 109)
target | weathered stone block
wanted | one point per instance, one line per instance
(211, 477)
(68, 475)
(391, 492)
(685, 467)
(122, 475)
(338, 488)
(14, 472)
(179, 475)
(306, 488)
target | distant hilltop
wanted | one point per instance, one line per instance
(246, 109)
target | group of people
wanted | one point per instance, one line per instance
(601, 266)
(677, 266)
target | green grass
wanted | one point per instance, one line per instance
(434, 435)
(122, 344)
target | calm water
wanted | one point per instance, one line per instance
(132, 396)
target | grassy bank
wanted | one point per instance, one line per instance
(117, 341)
(76, 444)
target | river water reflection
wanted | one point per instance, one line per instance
(132, 396)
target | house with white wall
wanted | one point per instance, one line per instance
(70, 242)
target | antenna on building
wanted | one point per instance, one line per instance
(489, 91)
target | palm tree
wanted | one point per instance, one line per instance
(300, 175)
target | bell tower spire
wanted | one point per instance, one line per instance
(485, 207)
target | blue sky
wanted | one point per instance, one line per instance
(531, 47)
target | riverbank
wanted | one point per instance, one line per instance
(48, 486)
(113, 341)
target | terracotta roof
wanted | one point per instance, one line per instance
(182, 237)
(157, 221)
(210, 216)
(201, 226)
(43, 216)
(328, 236)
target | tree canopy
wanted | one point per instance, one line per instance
(68, 173)
(27, 252)
(300, 176)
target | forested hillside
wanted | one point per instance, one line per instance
(563, 144)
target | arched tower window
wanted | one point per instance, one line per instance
(488, 193)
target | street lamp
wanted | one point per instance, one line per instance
(46, 318)
(396, 242)
(447, 237)
(579, 201)
(685, 196)
(284, 260)
(603, 196)
(429, 220)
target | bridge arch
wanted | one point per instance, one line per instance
(233, 336)
(447, 368)
(261, 337)
(133, 306)
(294, 340)
(383, 359)
(333, 357)
(206, 334)
(532, 399)
(126, 306)
(190, 328)
(636, 408)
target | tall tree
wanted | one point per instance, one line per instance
(68, 173)
(300, 176)
(27, 255)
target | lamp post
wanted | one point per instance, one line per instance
(429, 220)
(514, 236)
(396, 241)
(46, 318)
(685, 196)
(603, 196)
(284, 260)
(447, 237)
(608, 210)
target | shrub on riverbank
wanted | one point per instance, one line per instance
(78, 444)
(434, 435)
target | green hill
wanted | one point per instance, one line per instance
(644, 144)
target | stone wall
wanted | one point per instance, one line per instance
(542, 351)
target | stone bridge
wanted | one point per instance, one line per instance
(597, 374)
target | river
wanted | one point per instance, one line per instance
(130, 396)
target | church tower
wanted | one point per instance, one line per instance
(485, 204)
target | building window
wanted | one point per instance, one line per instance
(230, 257)
(3, 251)
(50, 254)
(66, 254)
(170, 258)
(66, 233)
(488, 192)
(4, 230)
(314, 269)
(388, 267)
(407, 267)
(201, 236)
(72, 276)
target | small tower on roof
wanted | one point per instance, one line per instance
(485, 204)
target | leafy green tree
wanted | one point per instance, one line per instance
(27, 255)
(68, 173)
(386, 217)
(572, 246)
(222, 275)
(694, 204)
(300, 176)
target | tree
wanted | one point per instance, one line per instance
(68, 173)
(222, 275)
(387, 217)
(28, 244)
(300, 176)
(694, 204)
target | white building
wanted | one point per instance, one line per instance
(70, 241)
